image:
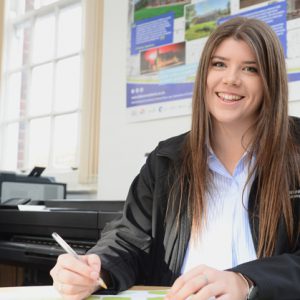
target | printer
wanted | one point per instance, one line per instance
(25, 236)
(20, 188)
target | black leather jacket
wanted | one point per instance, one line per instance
(144, 248)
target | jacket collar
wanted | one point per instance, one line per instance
(171, 148)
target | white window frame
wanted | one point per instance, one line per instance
(69, 176)
(85, 178)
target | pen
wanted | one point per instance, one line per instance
(71, 251)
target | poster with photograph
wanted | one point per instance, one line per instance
(166, 38)
(293, 48)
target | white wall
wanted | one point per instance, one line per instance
(123, 144)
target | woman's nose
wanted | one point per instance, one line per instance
(232, 78)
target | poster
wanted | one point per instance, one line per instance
(165, 41)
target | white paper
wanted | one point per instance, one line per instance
(31, 207)
(49, 293)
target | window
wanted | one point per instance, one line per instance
(41, 108)
(42, 84)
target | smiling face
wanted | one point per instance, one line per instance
(234, 87)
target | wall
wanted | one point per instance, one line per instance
(123, 144)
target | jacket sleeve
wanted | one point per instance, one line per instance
(276, 277)
(125, 243)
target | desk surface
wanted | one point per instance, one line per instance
(49, 293)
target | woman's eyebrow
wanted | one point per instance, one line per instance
(219, 57)
(250, 62)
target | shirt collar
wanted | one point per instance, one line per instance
(217, 166)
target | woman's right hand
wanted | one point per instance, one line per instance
(76, 279)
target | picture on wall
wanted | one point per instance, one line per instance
(201, 18)
(246, 3)
(144, 9)
(293, 9)
(156, 59)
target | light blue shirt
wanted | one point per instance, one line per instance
(226, 239)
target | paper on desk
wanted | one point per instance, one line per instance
(133, 295)
(29, 292)
(49, 293)
(31, 207)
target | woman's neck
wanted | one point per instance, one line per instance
(229, 144)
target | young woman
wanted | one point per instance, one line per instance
(214, 212)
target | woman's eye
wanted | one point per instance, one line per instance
(218, 64)
(251, 69)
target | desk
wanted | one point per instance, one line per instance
(49, 293)
(28, 292)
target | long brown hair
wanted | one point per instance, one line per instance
(276, 153)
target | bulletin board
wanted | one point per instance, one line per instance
(165, 41)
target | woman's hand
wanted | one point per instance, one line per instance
(203, 283)
(76, 279)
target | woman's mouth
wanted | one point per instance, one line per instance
(229, 97)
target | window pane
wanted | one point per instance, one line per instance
(19, 7)
(43, 44)
(39, 142)
(69, 30)
(22, 145)
(65, 140)
(40, 3)
(41, 84)
(13, 96)
(16, 54)
(16, 7)
(67, 84)
(11, 146)
(41, 90)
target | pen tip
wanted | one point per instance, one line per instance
(102, 283)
